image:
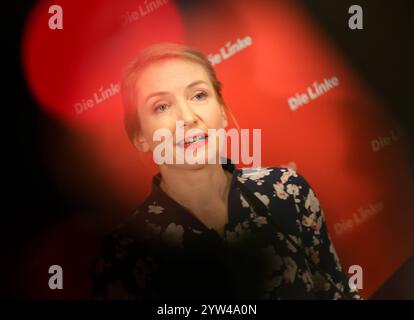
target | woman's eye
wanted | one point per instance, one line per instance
(161, 108)
(200, 96)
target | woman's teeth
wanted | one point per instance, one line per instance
(194, 139)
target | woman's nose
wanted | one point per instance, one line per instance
(186, 113)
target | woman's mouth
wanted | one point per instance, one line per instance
(194, 141)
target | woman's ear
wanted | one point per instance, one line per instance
(141, 143)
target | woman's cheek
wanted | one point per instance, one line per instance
(216, 123)
(161, 135)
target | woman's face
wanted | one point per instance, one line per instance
(174, 90)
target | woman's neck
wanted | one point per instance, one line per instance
(201, 190)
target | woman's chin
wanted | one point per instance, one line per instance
(199, 160)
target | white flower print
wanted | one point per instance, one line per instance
(340, 286)
(173, 234)
(292, 189)
(307, 279)
(242, 179)
(155, 209)
(299, 225)
(196, 231)
(309, 221)
(354, 292)
(312, 202)
(280, 190)
(240, 230)
(313, 222)
(297, 208)
(260, 221)
(289, 274)
(244, 203)
(287, 174)
(314, 255)
(256, 174)
(295, 240)
(290, 246)
(280, 264)
(264, 198)
(335, 256)
(318, 225)
(320, 283)
(315, 241)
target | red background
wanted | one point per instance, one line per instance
(327, 140)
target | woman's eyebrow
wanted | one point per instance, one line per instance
(160, 93)
(192, 84)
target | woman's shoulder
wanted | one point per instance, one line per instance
(276, 183)
(263, 176)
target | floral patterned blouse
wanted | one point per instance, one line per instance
(164, 251)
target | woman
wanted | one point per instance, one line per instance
(207, 229)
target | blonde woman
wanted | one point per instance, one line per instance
(208, 229)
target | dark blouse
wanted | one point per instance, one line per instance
(164, 251)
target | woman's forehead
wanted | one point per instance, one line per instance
(172, 72)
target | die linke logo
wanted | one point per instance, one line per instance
(142, 10)
(383, 141)
(312, 92)
(229, 50)
(97, 97)
(359, 217)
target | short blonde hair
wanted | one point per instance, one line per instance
(153, 54)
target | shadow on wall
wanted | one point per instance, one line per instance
(400, 285)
